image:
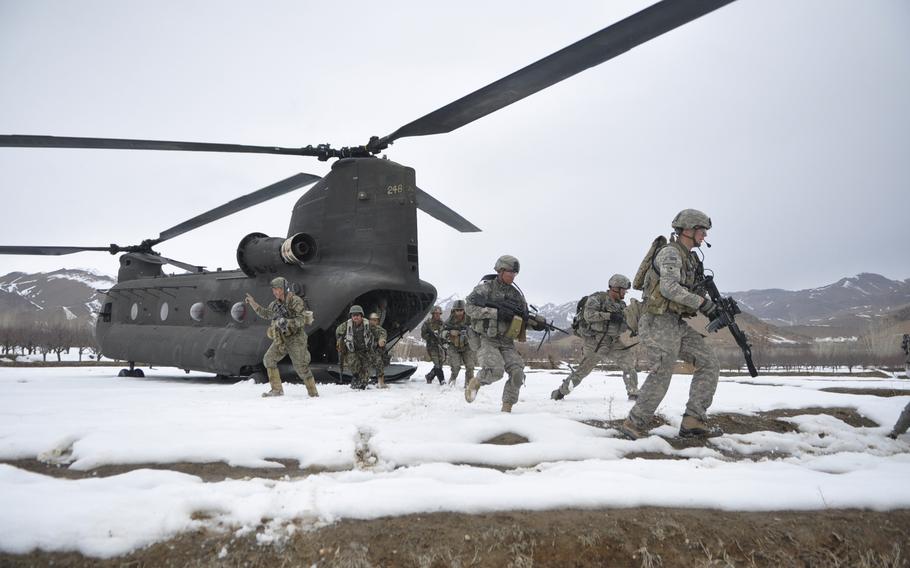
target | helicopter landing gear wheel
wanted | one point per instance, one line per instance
(131, 372)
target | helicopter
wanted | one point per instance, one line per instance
(352, 237)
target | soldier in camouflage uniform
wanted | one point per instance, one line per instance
(459, 351)
(378, 353)
(289, 316)
(355, 340)
(432, 333)
(902, 424)
(498, 332)
(671, 295)
(601, 326)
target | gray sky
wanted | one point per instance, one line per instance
(786, 121)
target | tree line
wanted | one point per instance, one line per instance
(25, 334)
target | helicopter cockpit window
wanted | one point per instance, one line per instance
(164, 311)
(197, 310)
(238, 311)
(134, 311)
(106, 312)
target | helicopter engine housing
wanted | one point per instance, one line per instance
(258, 253)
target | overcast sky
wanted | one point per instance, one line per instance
(786, 121)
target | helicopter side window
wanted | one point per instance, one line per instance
(106, 312)
(134, 311)
(164, 311)
(197, 310)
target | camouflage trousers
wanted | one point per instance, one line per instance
(666, 338)
(458, 358)
(295, 346)
(496, 356)
(359, 364)
(609, 349)
(903, 422)
(437, 355)
(378, 361)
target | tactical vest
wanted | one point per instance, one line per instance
(457, 333)
(351, 342)
(654, 301)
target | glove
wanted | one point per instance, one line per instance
(537, 322)
(616, 317)
(708, 308)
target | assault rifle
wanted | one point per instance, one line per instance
(509, 308)
(727, 308)
(280, 317)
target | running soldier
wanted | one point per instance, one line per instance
(355, 340)
(498, 329)
(602, 322)
(902, 424)
(289, 316)
(432, 333)
(671, 295)
(905, 345)
(379, 353)
(459, 350)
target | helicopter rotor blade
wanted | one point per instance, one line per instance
(296, 181)
(595, 49)
(435, 208)
(155, 258)
(42, 250)
(29, 141)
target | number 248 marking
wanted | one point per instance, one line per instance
(395, 189)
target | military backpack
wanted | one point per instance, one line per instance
(579, 325)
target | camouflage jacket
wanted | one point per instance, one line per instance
(298, 316)
(457, 332)
(380, 334)
(431, 332)
(353, 338)
(486, 321)
(600, 315)
(671, 284)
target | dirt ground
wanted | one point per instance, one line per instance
(641, 538)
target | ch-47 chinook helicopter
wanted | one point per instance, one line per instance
(352, 237)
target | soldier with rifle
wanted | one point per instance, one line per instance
(289, 316)
(601, 323)
(671, 279)
(432, 333)
(459, 351)
(379, 351)
(500, 316)
(903, 421)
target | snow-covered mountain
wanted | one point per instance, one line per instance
(71, 293)
(845, 307)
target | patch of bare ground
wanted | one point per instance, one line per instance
(640, 537)
(731, 423)
(507, 439)
(873, 392)
(213, 471)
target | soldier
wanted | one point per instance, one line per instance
(355, 341)
(602, 323)
(459, 351)
(289, 316)
(671, 295)
(432, 333)
(902, 424)
(498, 329)
(379, 353)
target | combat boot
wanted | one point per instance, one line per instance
(440, 374)
(275, 383)
(506, 407)
(310, 383)
(692, 427)
(470, 391)
(631, 430)
(633, 395)
(382, 384)
(430, 376)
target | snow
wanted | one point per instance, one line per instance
(413, 448)
(92, 278)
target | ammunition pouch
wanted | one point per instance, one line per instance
(516, 326)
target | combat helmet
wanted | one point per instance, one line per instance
(374, 316)
(436, 309)
(279, 282)
(619, 281)
(355, 309)
(691, 218)
(458, 305)
(507, 262)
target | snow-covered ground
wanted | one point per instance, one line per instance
(408, 449)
